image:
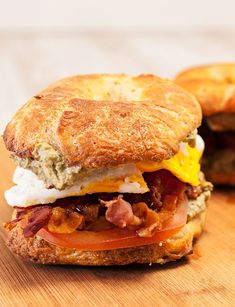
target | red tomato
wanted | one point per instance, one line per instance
(116, 238)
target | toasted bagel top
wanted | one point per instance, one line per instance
(105, 120)
(213, 85)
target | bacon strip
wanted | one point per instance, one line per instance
(11, 224)
(64, 220)
(193, 192)
(119, 212)
(21, 212)
(38, 219)
(149, 218)
(89, 211)
(165, 194)
(144, 213)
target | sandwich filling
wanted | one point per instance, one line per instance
(218, 131)
(130, 205)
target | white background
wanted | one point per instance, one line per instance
(115, 13)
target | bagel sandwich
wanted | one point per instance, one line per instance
(108, 172)
(214, 87)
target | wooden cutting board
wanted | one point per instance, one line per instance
(205, 278)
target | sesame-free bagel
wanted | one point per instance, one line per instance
(213, 85)
(105, 120)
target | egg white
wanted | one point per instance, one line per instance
(30, 190)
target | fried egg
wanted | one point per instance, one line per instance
(30, 190)
(184, 165)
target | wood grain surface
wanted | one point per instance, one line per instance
(205, 278)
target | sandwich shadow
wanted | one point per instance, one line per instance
(106, 273)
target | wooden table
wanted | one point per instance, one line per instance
(205, 278)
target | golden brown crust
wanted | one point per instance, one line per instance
(220, 178)
(104, 120)
(213, 85)
(40, 251)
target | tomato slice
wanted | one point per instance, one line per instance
(116, 238)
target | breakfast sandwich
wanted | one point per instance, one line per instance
(214, 88)
(108, 172)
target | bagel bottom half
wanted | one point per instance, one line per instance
(40, 251)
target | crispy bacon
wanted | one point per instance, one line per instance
(21, 212)
(193, 192)
(119, 212)
(166, 191)
(162, 183)
(144, 213)
(122, 214)
(38, 218)
(150, 220)
(87, 205)
(170, 202)
(19, 215)
(11, 224)
(65, 220)
(89, 211)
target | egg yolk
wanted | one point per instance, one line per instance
(185, 166)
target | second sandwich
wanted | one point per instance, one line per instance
(214, 87)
